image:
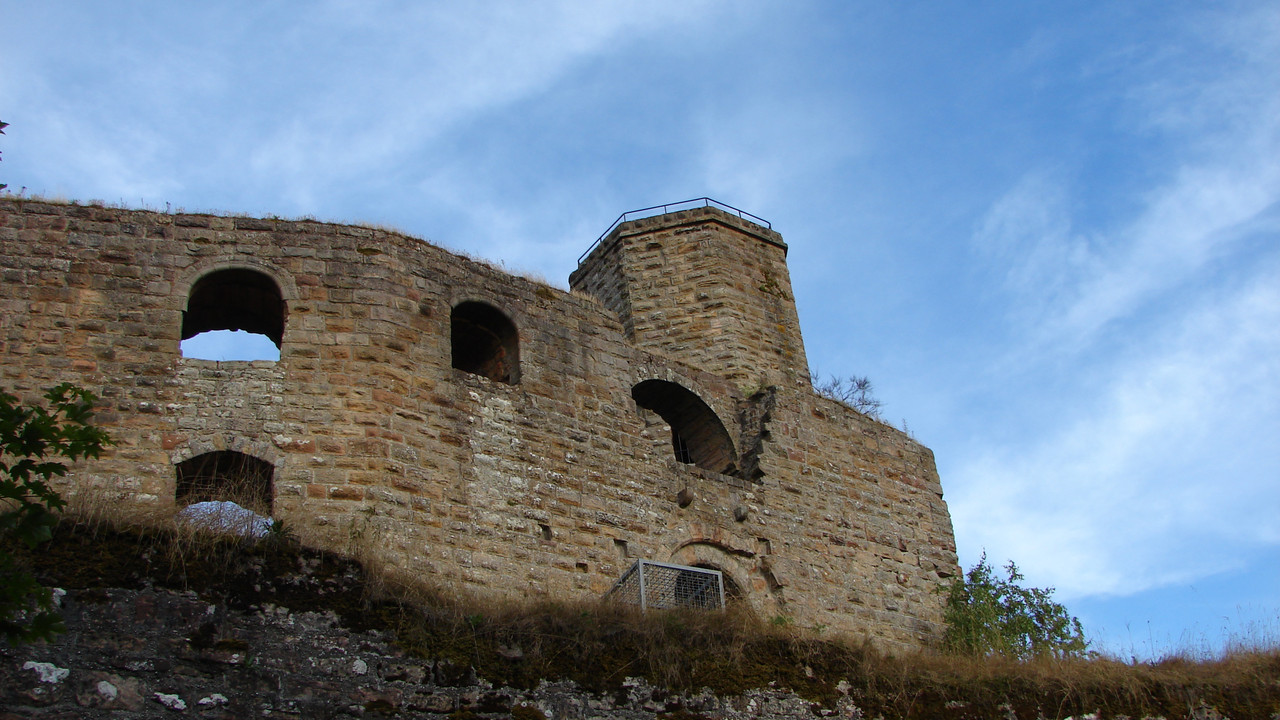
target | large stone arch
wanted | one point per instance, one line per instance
(261, 449)
(738, 565)
(190, 275)
(196, 462)
(243, 479)
(714, 391)
(698, 436)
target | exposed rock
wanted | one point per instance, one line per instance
(47, 672)
(156, 653)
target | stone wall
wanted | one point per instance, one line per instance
(550, 483)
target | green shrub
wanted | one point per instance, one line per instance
(986, 614)
(31, 440)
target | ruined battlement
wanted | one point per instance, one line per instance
(480, 429)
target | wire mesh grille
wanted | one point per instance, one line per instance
(662, 585)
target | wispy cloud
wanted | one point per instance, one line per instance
(347, 88)
(764, 147)
(1091, 508)
(1163, 458)
(422, 70)
(1069, 281)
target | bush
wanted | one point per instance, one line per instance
(986, 614)
(853, 391)
(30, 440)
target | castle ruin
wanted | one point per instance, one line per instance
(480, 429)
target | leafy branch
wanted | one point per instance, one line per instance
(32, 439)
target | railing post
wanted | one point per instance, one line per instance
(643, 600)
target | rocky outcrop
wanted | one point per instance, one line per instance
(156, 653)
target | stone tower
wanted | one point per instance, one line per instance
(704, 285)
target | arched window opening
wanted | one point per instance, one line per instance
(485, 342)
(226, 475)
(697, 435)
(234, 314)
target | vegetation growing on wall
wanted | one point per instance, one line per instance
(3, 125)
(854, 391)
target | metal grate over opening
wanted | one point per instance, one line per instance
(658, 585)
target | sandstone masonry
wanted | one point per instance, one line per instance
(479, 429)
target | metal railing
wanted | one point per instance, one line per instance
(664, 586)
(670, 208)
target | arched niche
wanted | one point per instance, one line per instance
(484, 342)
(711, 556)
(697, 435)
(226, 475)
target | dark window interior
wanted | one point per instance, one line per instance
(226, 475)
(731, 590)
(485, 342)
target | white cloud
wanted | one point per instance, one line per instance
(1028, 235)
(106, 171)
(1222, 131)
(1068, 287)
(419, 71)
(342, 94)
(1161, 468)
(1161, 476)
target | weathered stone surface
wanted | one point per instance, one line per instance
(134, 654)
(545, 478)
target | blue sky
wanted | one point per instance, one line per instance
(1048, 231)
